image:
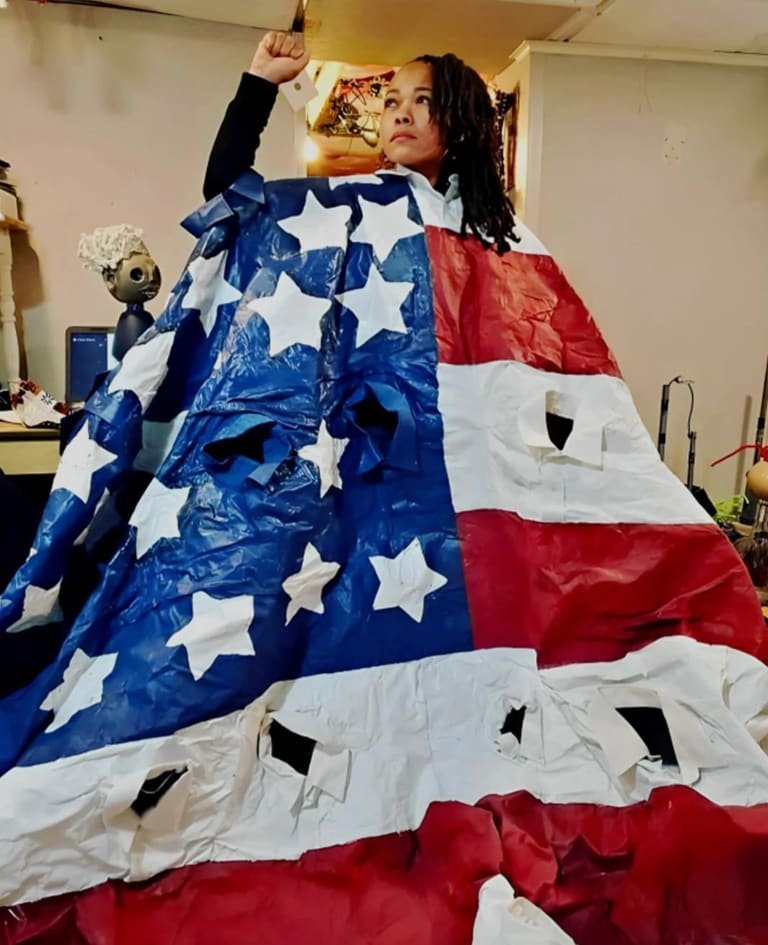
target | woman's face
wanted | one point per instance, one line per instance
(409, 134)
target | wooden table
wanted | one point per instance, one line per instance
(26, 452)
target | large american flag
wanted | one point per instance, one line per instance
(363, 610)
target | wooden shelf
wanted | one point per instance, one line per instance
(25, 452)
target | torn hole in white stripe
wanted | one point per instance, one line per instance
(622, 724)
(154, 798)
(518, 730)
(304, 765)
(154, 789)
(557, 425)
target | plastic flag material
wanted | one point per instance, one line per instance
(363, 608)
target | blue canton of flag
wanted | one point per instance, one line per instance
(273, 437)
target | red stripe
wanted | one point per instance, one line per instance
(587, 592)
(674, 869)
(516, 307)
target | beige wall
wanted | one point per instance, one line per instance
(107, 117)
(649, 183)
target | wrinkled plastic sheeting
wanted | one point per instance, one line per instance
(674, 869)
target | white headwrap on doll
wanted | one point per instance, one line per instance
(108, 245)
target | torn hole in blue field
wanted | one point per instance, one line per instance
(246, 448)
(384, 417)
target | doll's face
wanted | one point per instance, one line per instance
(136, 279)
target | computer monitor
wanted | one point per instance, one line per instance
(89, 353)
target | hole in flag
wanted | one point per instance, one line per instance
(383, 415)
(154, 789)
(559, 410)
(558, 429)
(375, 419)
(294, 749)
(513, 723)
(651, 726)
(249, 444)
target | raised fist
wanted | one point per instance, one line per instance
(279, 58)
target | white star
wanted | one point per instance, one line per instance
(377, 305)
(217, 628)
(383, 225)
(209, 289)
(41, 605)
(82, 458)
(318, 227)
(305, 587)
(405, 580)
(340, 180)
(325, 453)
(293, 317)
(144, 368)
(157, 441)
(157, 515)
(82, 686)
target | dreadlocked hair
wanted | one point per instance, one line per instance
(462, 109)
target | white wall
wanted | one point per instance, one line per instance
(671, 255)
(107, 116)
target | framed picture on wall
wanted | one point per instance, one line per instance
(509, 130)
(343, 122)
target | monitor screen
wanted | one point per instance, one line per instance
(89, 353)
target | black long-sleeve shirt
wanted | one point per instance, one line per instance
(234, 148)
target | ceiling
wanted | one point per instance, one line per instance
(485, 32)
(711, 25)
(482, 32)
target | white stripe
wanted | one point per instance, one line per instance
(391, 740)
(499, 455)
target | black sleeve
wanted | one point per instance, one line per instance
(235, 146)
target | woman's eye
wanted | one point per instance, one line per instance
(389, 103)
(424, 100)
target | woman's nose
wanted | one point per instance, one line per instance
(403, 117)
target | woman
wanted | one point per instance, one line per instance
(437, 121)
